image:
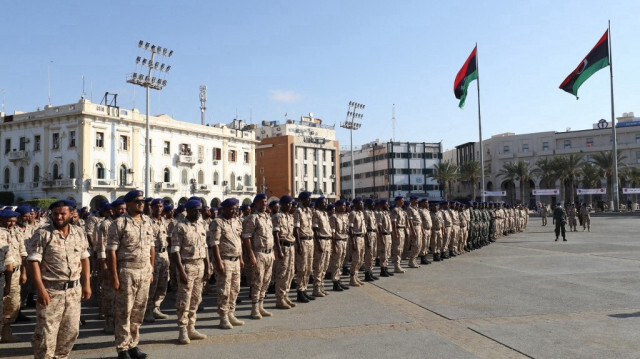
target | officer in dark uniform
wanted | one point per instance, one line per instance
(560, 220)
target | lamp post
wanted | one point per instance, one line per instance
(351, 124)
(149, 81)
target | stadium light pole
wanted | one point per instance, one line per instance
(149, 81)
(350, 123)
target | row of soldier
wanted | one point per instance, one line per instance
(135, 255)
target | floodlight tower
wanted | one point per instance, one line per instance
(203, 102)
(350, 123)
(149, 81)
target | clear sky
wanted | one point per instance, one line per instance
(262, 59)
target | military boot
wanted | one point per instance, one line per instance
(383, 272)
(183, 337)
(386, 270)
(367, 277)
(234, 321)
(345, 287)
(337, 287)
(224, 321)
(263, 312)
(413, 264)
(148, 316)
(124, 355)
(302, 298)
(282, 304)
(291, 304)
(7, 335)
(194, 334)
(353, 282)
(255, 311)
(158, 314)
(373, 276)
(398, 269)
(109, 325)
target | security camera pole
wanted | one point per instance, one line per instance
(351, 124)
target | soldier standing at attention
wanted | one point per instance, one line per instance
(322, 245)
(19, 277)
(415, 229)
(158, 288)
(25, 229)
(560, 220)
(130, 256)
(226, 251)
(284, 242)
(257, 240)
(189, 252)
(6, 264)
(399, 220)
(385, 227)
(58, 258)
(437, 231)
(448, 228)
(425, 216)
(572, 215)
(340, 230)
(358, 229)
(304, 245)
(586, 217)
(370, 241)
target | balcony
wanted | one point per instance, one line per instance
(202, 188)
(67, 183)
(103, 183)
(166, 186)
(18, 155)
(250, 188)
(129, 185)
(187, 159)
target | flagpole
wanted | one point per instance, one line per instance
(614, 152)
(480, 131)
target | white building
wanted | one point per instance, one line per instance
(90, 152)
(389, 169)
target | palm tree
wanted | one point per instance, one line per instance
(604, 161)
(590, 177)
(545, 170)
(570, 171)
(470, 173)
(445, 173)
(519, 171)
(632, 174)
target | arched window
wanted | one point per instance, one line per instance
(200, 177)
(36, 173)
(122, 179)
(56, 171)
(216, 178)
(185, 178)
(7, 175)
(247, 180)
(21, 174)
(99, 171)
(232, 181)
(167, 176)
(72, 170)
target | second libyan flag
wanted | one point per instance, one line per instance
(465, 76)
(597, 59)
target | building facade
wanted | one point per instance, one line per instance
(295, 156)
(390, 169)
(90, 152)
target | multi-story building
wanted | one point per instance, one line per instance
(90, 152)
(390, 169)
(297, 155)
(508, 148)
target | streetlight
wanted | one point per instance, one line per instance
(149, 81)
(351, 124)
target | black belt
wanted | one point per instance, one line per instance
(265, 251)
(324, 238)
(161, 250)
(399, 226)
(341, 239)
(233, 259)
(62, 285)
(386, 233)
(358, 235)
(287, 244)
(370, 230)
(305, 238)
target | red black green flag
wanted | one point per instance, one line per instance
(597, 59)
(465, 76)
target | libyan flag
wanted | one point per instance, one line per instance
(465, 76)
(597, 59)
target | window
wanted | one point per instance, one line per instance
(232, 181)
(122, 178)
(638, 157)
(72, 138)
(21, 174)
(150, 146)
(261, 170)
(99, 171)
(505, 149)
(315, 170)
(100, 139)
(217, 154)
(525, 147)
(185, 177)
(124, 142)
(232, 155)
(567, 144)
(200, 177)
(246, 157)
(72, 170)
(304, 153)
(166, 176)
(185, 149)
(589, 141)
(333, 156)
(56, 171)
(200, 153)
(216, 178)
(7, 175)
(545, 146)
(36, 173)
(55, 143)
(36, 143)
(167, 148)
(247, 180)
(315, 154)
(261, 154)
(7, 145)
(23, 143)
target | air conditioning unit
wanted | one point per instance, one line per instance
(224, 183)
(130, 170)
(200, 160)
(215, 163)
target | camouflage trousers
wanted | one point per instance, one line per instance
(397, 246)
(284, 271)
(321, 259)
(158, 288)
(108, 298)
(130, 303)
(426, 241)
(463, 237)
(189, 294)
(304, 263)
(454, 238)
(261, 275)
(57, 324)
(337, 259)
(446, 239)
(357, 254)
(370, 249)
(228, 286)
(12, 301)
(416, 243)
(384, 249)
(436, 240)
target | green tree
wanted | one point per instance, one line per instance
(604, 161)
(470, 174)
(445, 173)
(519, 171)
(590, 177)
(632, 175)
(569, 170)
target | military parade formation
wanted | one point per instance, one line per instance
(131, 252)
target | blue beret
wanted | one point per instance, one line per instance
(383, 201)
(23, 210)
(286, 199)
(230, 202)
(63, 203)
(413, 197)
(312, 205)
(347, 203)
(167, 207)
(131, 195)
(117, 203)
(368, 201)
(148, 199)
(319, 199)
(102, 203)
(157, 201)
(180, 207)
(259, 197)
(424, 200)
(205, 207)
(243, 207)
(274, 202)
(7, 213)
(304, 195)
(294, 203)
(357, 200)
(194, 198)
(106, 207)
(330, 207)
(340, 202)
(399, 198)
(194, 203)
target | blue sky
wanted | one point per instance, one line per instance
(262, 59)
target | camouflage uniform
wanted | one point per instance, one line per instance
(6, 259)
(322, 246)
(427, 223)
(158, 288)
(225, 233)
(258, 227)
(437, 225)
(304, 256)
(285, 267)
(340, 229)
(358, 231)
(108, 293)
(414, 219)
(399, 218)
(12, 301)
(386, 230)
(370, 240)
(448, 231)
(59, 258)
(131, 240)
